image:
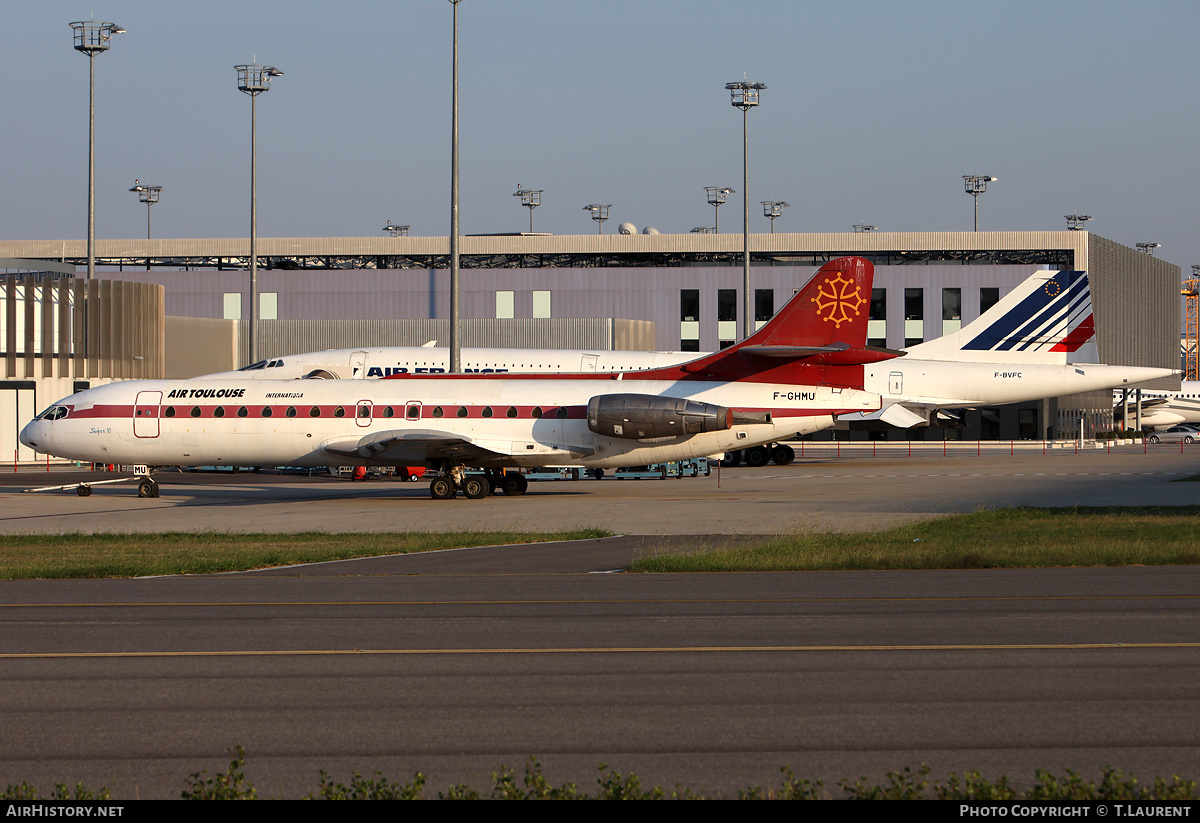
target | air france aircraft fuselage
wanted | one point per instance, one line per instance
(388, 361)
(796, 374)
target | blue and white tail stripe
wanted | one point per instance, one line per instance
(1042, 319)
(1045, 319)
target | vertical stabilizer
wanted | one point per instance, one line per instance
(1046, 319)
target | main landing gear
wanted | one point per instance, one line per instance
(476, 486)
(759, 456)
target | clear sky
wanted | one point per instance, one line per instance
(874, 109)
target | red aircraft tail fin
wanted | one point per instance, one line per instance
(824, 324)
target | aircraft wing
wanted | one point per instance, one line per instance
(904, 415)
(416, 446)
(1146, 404)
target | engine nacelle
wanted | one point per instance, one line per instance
(648, 416)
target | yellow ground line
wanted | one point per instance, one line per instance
(618, 649)
(682, 601)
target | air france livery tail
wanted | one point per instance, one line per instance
(1047, 319)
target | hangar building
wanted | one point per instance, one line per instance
(639, 291)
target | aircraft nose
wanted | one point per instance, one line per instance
(30, 436)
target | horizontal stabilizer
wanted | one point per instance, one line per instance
(834, 354)
(901, 417)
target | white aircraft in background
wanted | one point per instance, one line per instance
(796, 374)
(386, 361)
(1016, 351)
(1161, 409)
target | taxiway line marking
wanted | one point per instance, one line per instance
(610, 650)
(646, 601)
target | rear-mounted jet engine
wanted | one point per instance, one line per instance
(648, 416)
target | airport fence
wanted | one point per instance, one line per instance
(863, 449)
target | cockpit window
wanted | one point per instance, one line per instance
(261, 364)
(53, 413)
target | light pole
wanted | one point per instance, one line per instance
(455, 342)
(254, 80)
(744, 96)
(1075, 221)
(531, 199)
(599, 214)
(91, 38)
(772, 209)
(396, 231)
(975, 185)
(717, 195)
(149, 196)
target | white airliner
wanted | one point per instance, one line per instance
(1026, 347)
(1162, 409)
(1016, 351)
(796, 374)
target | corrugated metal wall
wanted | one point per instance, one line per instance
(46, 319)
(1137, 306)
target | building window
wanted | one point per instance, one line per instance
(504, 305)
(988, 297)
(764, 304)
(726, 304)
(877, 319)
(689, 305)
(233, 306)
(541, 304)
(951, 310)
(268, 306)
(689, 320)
(914, 316)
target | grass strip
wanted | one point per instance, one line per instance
(137, 555)
(993, 539)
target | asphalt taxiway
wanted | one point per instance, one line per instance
(457, 662)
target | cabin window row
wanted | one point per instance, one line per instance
(412, 412)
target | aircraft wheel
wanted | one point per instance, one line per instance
(84, 490)
(441, 488)
(475, 487)
(147, 488)
(782, 455)
(757, 456)
(731, 459)
(515, 484)
(1154, 438)
(598, 473)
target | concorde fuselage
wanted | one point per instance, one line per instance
(525, 422)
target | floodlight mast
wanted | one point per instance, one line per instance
(1075, 221)
(91, 38)
(975, 185)
(717, 195)
(599, 214)
(531, 199)
(773, 209)
(744, 96)
(864, 228)
(1148, 248)
(149, 196)
(396, 231)
(455, 340)
(253, 80)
